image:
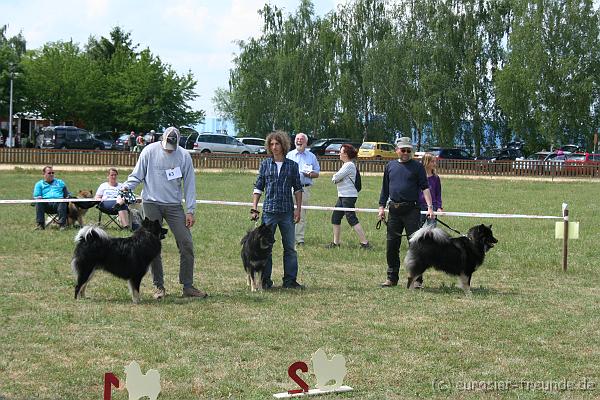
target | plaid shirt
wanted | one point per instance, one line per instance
(278, 188)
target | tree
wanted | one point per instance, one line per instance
(548, 87)
(11, 52)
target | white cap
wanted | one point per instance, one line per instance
(170, 138)
(404, 142)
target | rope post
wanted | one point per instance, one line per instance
(565, 209)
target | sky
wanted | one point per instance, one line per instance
(190, 35)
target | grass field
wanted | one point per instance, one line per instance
(528, 330)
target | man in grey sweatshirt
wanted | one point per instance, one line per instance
(164, 168)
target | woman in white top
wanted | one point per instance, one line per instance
(347, 196)
(108, 193)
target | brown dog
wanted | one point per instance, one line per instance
(76, 211)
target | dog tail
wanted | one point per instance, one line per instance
(429, 231)
(90, 232)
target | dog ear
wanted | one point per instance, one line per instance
(490, 226)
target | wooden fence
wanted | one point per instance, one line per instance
(251, 162)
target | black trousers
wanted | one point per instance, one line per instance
(406, 219)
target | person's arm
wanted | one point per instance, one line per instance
(138, 174)
(342, 173)
(37, 190)
(316, 167)
(298, 209)
(259, 186)
(189, 184)
(438, 194)
(385, 192)
(99, 192)
(427, 195)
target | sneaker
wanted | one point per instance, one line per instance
(332, 246)
(418, 285)
(293, 285)
(62, 228)
(388, 283)
(40, 227)
(193, 292)
(366, 246)
(159, 293)
(300, 244)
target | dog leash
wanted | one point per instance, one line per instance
(447, 226)
(378, 225)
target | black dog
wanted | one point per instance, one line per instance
(461, 256)
(126, 258)
(256, 247)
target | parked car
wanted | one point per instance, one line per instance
(319, 146)
(69, 137)
(184, 140)
(377, 150)
(542, 161)
(257, 145)
(122, 142)
(218, 143)
(583, 157)
(450, 153)
(106, 138)
(501, 154)
(334, 149)
(151, 137)
(571, 148)
(574, 160)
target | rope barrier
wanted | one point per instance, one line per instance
(321, 208)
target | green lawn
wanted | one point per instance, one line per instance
(527, 328)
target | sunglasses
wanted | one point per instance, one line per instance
(50, 173)
(405, 150)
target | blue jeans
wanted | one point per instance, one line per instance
(54, 208)
(285, 222)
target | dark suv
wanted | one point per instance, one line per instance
(450, 153)
(69, 137)
(319, 146)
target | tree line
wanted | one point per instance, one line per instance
(472, 73)
(107, 85)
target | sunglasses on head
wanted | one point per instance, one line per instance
(405, 150)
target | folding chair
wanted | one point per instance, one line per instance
(113, 214)
(112, 217)
(50, 219)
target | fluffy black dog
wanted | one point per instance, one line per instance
(256, 247)
(461, 256)
(127, 258)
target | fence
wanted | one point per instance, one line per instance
(251, 162)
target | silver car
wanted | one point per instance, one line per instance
(218, 143)
(257, 145)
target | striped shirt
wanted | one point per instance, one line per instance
(278, 186)
(344, 179)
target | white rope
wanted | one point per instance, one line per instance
(367, 210)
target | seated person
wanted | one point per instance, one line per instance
(108, 194)
(50, 188)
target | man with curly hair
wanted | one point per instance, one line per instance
(277, 177)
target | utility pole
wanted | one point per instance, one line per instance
(10, 113)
